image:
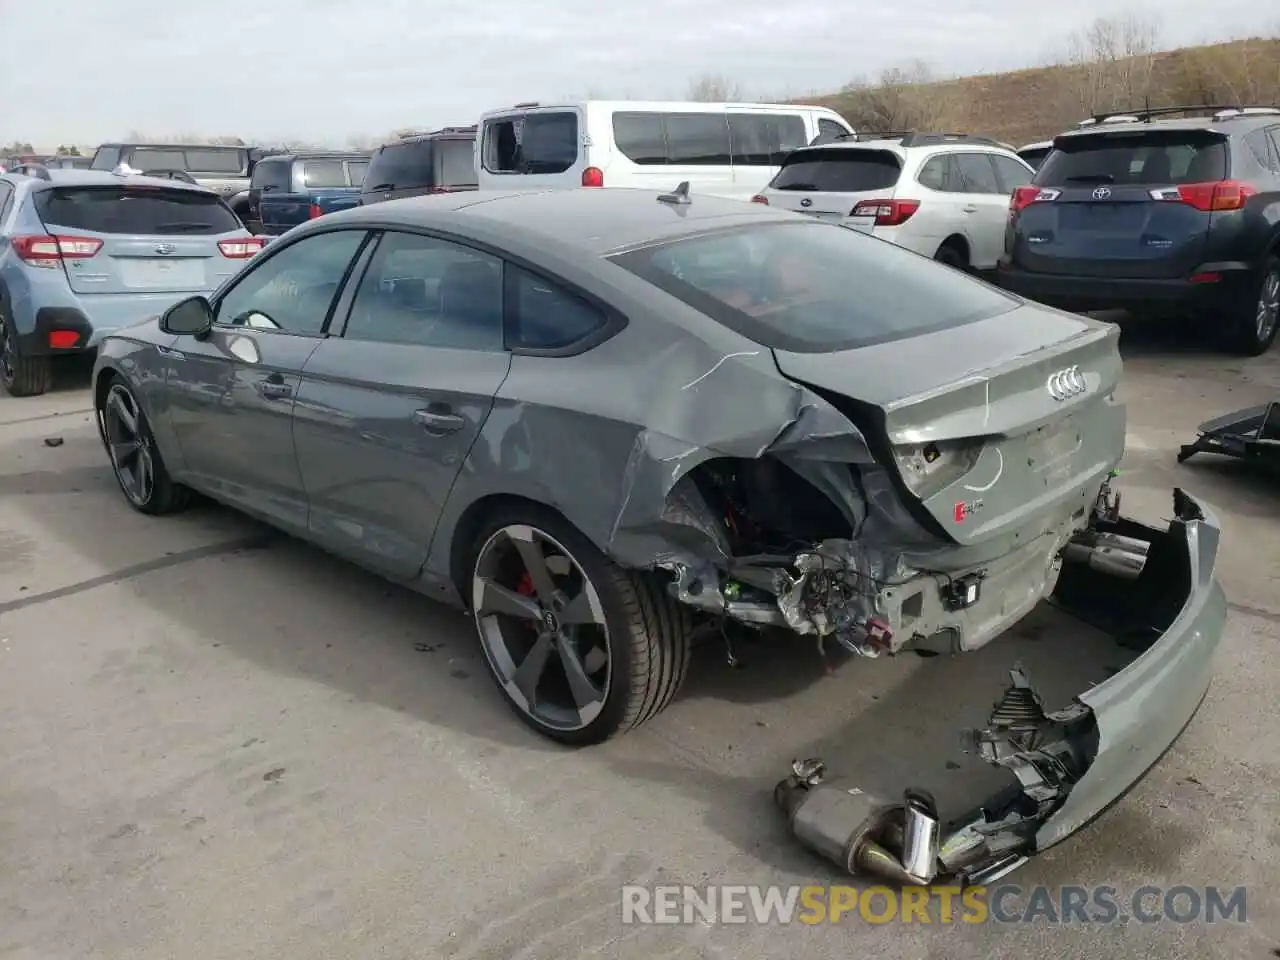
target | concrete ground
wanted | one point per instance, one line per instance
(219, 743)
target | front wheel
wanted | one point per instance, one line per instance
(580, 648)
(135, 459)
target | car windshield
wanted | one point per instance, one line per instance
(130, 210)
(814, 287)
(1135, 157)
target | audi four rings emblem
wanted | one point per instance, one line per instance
(1066, 384)
(1101, 193)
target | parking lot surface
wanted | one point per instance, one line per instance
(218, 742)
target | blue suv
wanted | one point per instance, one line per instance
(84, 252)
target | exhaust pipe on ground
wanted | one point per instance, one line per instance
(859, 831)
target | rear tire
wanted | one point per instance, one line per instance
(1251, 325)
(641, 631)
(952, 256)
(21, 376)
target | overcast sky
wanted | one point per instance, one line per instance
(89, 70)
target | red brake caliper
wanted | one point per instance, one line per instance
(525, 587)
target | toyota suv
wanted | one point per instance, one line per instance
(1175, 211)
(943, 195)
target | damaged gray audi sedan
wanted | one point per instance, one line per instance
(601, 420)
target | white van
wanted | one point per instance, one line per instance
(723, 149)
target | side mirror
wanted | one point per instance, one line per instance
(192, 317)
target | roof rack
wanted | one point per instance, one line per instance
(1219, 111)
(920, 138)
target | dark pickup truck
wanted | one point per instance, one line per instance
(288, 189)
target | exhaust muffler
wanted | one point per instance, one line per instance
(896, 840)
(1108, 553)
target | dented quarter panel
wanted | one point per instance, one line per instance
(1143, 709)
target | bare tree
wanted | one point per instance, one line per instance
(1111, 62)
(907, 97)
(1244, 72)
(714, 88)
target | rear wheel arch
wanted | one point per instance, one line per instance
(469, 524)
(957, 242)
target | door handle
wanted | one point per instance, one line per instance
(439, 421)
(273, 387)
(970, 208)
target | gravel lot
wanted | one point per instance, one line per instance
(218, 742)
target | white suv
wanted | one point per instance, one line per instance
(945, 196)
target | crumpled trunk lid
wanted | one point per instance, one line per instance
(1033, 388)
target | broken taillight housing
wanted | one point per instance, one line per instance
(1023, 197)
(928, 468)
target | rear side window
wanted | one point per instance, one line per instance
(532, 144)
(1147, 157)
(1263, 150)
(401, 166)
(155, 158)
(1035, 156)
(814, 287)
(839, 171)
(942, 173)
(707, 139)
(145, 210)
(829, 130)
(231, 162)
(356, 169)
(1011, 173)
(456, 163)
(324, 173)
(271, 175)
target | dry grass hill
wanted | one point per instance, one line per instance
(1106, 71)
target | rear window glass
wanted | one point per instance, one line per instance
(144, 210)
(814, 287)
(324, 173)
(401, 166)
(839, 171)
(271, 174)
(534, 143)
(1148, 157)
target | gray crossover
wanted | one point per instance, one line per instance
(605, 421)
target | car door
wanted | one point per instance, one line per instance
(386, 413)
(985, 205)
(232, 392)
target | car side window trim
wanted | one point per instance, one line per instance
(273, 251)
(614, 321)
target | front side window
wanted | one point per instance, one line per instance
(814, 287)
(292, 291)
(105, 158)
(426, 292)
(978, 173)
(1011, 173)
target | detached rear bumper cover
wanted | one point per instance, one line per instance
(1066, 768)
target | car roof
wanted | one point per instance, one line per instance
(66, 177)
(448, 133)
(596, 222)
(172, 146)
(315, 155)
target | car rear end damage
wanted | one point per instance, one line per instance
(1065, 767)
